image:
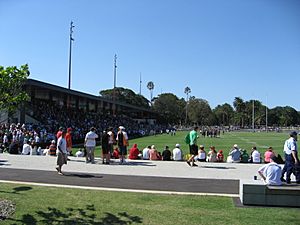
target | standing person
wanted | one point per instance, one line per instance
(291, 159)
(69, 141)
(90, 144)
(59, 132)
(105, 147)
(122, 140)
(193, 146)
(111, 142)
(61, 152)
(271, 172)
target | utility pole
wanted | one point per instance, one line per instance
(70, 53)
(140, 83)
(115, 84)
(253, 116)
(266, 116)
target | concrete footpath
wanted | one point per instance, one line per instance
(220, 179)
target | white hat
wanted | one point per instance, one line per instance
(53, 141)
(235, 146)
(177, 145)
(153, 146)
(121, 128)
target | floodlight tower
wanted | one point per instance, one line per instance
(70, 53)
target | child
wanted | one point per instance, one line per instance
(220, 156)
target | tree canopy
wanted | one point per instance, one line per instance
(11, 81)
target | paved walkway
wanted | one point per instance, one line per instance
(137, 175)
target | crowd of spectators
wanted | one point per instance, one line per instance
(51, 117)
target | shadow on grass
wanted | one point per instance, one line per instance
(17, 190)
(76, 216)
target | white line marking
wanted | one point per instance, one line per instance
(120, 189)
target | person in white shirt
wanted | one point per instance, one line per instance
(61, 152)
(27, 149)
(146, 154)
(271, 172)
(255, 155)
(177, 153)
(90, 144)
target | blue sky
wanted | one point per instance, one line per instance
(221, 49)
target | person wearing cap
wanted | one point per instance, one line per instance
(122, 140)
(271, 172)
(291, 159)
(90, 144)
(61, 152)
(234, 155)
(52, 148)
(220, 156)
(59, 132)
(177, 153)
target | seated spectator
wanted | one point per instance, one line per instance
(153, 153)
(234, 155)
(177, 153)
(244, 156)
(13, 148)
(212, 154)
(79, 153)
(146, 154)
(134, 152)
(271, 172)
(268, 154)
(201, 154)
(116, 153)
(220, 156)
(26, 148)
(255, 155)
(52, 148)
(166, 154)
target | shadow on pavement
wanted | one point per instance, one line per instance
(218, 167)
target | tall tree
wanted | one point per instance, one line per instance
(239, 106)
(150, 86)
(11, 81)
(125, 95)
(169, 108)
(200, 112)
(224, 114)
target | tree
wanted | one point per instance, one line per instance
(12, 80)
(150, 86)
(200, 112)
(224, 114)
(125, 95)
(169, 108)
(239, 106)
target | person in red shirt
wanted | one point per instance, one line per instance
(69, 140)
(134, 152)
(59, 132)
(220, 156)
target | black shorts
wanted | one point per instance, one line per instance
(194, 149)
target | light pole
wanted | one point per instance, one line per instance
(150, 86)
(187, 90)
(115, 84)
(70, 53)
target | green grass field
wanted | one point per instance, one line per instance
(245, 140)
(49, 205)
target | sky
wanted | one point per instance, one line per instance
(220, 49)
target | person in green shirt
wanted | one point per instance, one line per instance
(193, 146)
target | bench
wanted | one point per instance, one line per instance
(256, 193)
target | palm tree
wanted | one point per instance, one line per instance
(150, 86)
(187, 90)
